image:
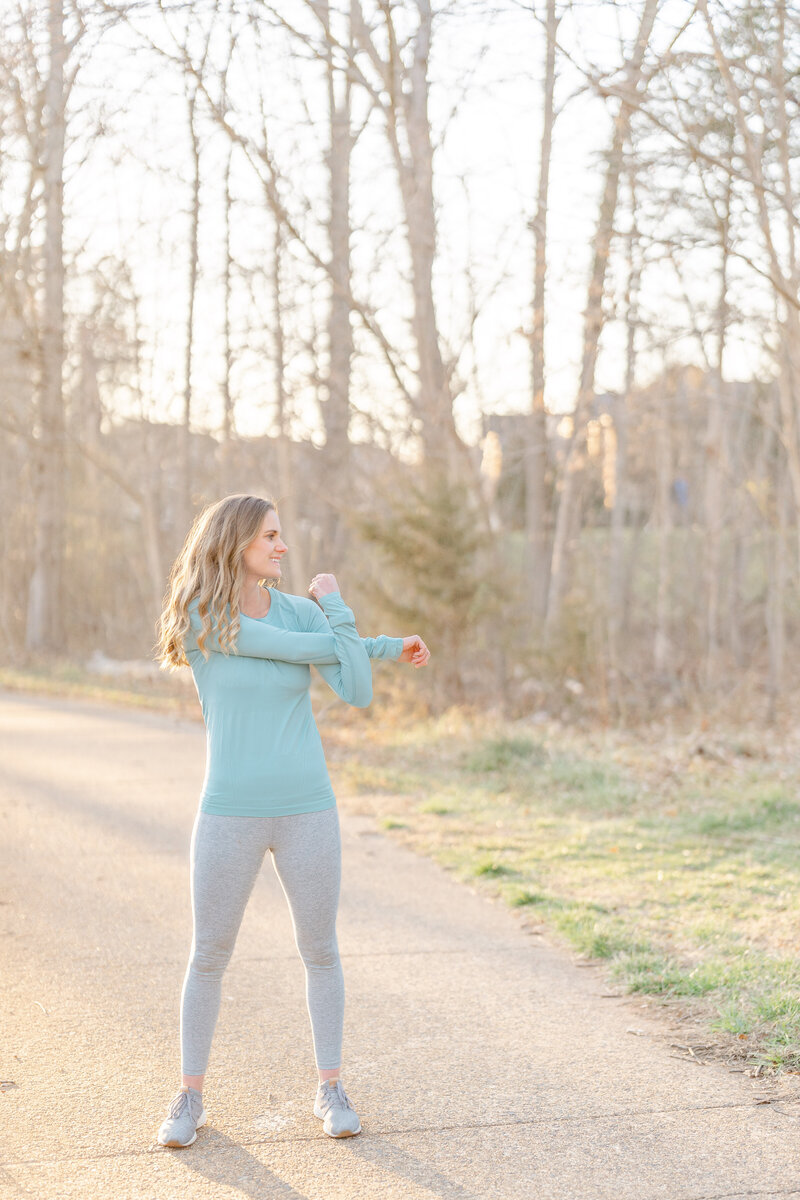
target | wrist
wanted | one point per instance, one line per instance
(336, 611)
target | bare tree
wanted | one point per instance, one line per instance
(618, 431)
(45, 604)
(228, 422)
(227, 278)
(775, 207)
(336, 410)
(716, 457)
(567, 517)
(184, 461)
(287, 478)
(536, 450)
(663, 643)
(399, 87)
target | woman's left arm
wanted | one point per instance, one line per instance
(409, 649)
(351, 676)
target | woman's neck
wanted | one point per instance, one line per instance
(254, 601)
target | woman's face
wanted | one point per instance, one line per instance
(262, 557)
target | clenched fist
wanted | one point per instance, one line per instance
(414, 651)
(323, 585)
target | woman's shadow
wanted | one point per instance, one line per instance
(218, 1158)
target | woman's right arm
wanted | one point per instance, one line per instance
(259, 639)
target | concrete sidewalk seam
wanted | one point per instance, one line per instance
(781, 1113)
(792, 1191)
(288, 1141)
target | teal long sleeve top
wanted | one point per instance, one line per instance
(264, 755)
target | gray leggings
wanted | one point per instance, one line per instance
(226, 857)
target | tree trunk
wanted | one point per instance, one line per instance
(617, 571)
(776, 232)
(538, 559)
(662, 648)
(716, 456)
(185, 503)
(408, 108)
(740, 524)
(789, 399)
(225, 452)
(44, 629)
(295, 574)
(776, 595)
(336, 410)
(227, 354)
(568, 515)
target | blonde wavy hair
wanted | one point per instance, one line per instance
(210, 569)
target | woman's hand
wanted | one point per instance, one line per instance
(414, 651)
(323, 585)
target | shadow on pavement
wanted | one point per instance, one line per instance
(220, 1159)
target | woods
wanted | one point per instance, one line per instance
(499, 301)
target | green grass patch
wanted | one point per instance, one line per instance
(646, 970)
(522, 897)
(435, 807)
(683, 876)
(490, 868)
(733, 1018)
(589, 785)
(594, 934)
(774, 809)
(498, 754)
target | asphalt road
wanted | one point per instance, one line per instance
(485, 1064)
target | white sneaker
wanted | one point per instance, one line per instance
(186, 1115)
(335, 1110)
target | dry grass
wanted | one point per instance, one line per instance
(674, 856)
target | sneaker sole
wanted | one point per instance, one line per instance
(176, 1145)
(344, 1133)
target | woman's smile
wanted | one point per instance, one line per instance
(262, 557)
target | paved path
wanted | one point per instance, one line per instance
(483, 1063)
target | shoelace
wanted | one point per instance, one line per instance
(178, 1103)
(335, 1097)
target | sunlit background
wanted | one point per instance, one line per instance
(292, 249)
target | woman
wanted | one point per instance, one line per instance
(266, 785)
